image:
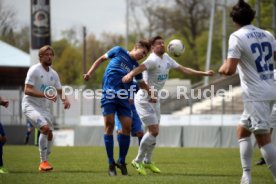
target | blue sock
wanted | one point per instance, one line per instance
(124, 141)
(1, 154)
(109, 144)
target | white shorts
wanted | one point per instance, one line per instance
(38, 117)
(273, 117)
(256, 116)
(149, 113)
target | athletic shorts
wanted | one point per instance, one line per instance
(273, 117)
(149, 113)
(136, 125)
(116, 105)
(38, 117)
(256, 116)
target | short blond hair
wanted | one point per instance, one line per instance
(43, 49)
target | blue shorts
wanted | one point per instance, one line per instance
(2, 132)
(116, 106)
(29, 124)
(136, 122)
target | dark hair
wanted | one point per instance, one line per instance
(153, 39)
(144, 44)
(242, 13)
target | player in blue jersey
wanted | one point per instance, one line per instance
(3, 139)
(115, 98)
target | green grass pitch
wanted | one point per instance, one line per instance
(81, 165)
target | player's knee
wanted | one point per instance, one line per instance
(50, 135)
(45, 130)
(140, 134)
(109, 129)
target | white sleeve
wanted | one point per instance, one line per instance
(234, 50)
(150, 64)
(31, 77)
(173, 63)
(57, 82)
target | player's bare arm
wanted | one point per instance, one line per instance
(150, 91)
(229, 66)
(64, 99)
(129, 77)
(191, 71)
(31, 91)
(94, 67)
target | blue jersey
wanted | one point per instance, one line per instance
(119, 65)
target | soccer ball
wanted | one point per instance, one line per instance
(175, 47)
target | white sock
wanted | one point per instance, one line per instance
(43, 141)
(151, 146)
(246, 150)
(49, 145)
(269, 153)
(144, 145)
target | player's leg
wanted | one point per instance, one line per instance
(43, 147)
(246, 151)
(3, 140)
(125, 117)
(262, 133)
(136, 126)
(28, 132)
(109, 110)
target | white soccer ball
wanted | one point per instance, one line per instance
(175, 47)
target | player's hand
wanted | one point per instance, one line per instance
(127, 78)
(86, 77)
(66, 104)
(152, 100)
(210, 73)
(4, 103)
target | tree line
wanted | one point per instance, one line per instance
(187, 20)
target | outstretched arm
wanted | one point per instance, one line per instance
(191, 71)
(94, 67)
(129, 77)
(229, 66)
(64, 99)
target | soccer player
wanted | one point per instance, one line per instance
(252, 51)
(115, 98)
(42, 86)
(156, 70)
(3, 139)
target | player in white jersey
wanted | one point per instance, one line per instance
(252, 51)
(42, 86)
(156, 70)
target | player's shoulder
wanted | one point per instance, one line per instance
(35, 68)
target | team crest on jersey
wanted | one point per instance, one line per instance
(51, 78)
(41, 76)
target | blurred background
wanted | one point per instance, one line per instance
(82, 31)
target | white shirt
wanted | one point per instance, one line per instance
(40, 79)
(254, 47)
(157, 72)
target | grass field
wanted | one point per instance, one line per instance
(79, 165)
